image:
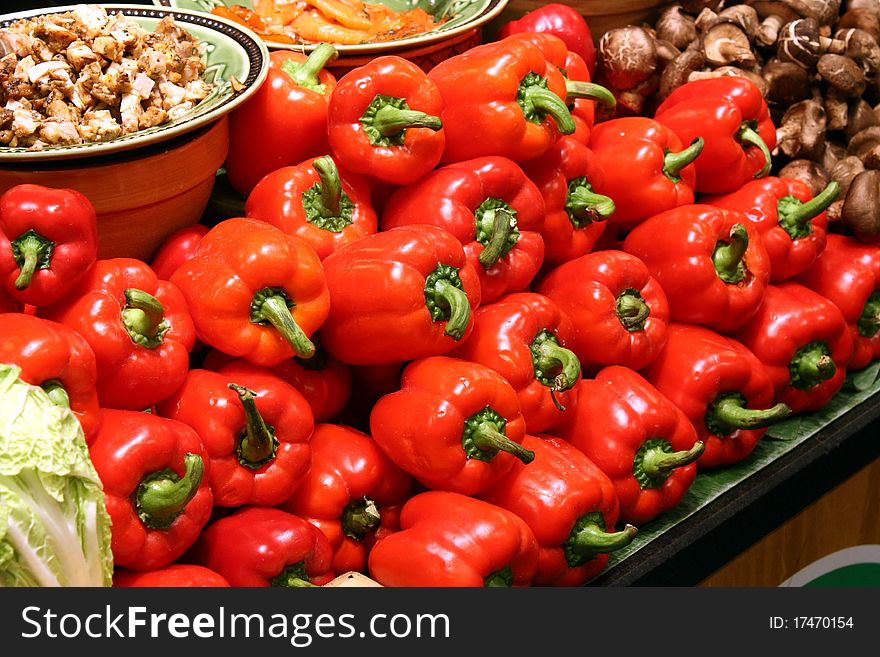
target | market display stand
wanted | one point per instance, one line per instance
(818, 487)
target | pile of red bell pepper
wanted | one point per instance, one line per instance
(462, 337)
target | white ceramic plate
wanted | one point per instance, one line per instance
(462, 15)
(232, 51)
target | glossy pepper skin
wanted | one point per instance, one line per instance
(731, 116)
(255, 427)
(710, 262)
(575, 214)
(383, 121)
(447, 539)
(398, 295)
(563, 21)
(177, 248)
(453, 425)
(523, 337)
(847, 273)
(491, 207)
(721, 386)
(56, 358)
(636, 436)
(571, 507)
(48, 242)
(290, 106)
(501, 98)
(155, 476)
(315, 201)
(646, 168)
(139, 328)
(262, 547)
(348, 484)
(618, 310)
(792, 224)
(176, 575)
(804, 343)
(254, 291)
(581, 93)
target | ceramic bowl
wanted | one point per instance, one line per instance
(462, 17)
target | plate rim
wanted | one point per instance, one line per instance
(257, 74)
(492, 9)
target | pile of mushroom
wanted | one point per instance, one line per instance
(817, 62)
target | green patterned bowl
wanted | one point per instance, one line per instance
(462, 16)
(232, 51)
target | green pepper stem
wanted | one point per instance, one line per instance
(331, 185)
(728, 256)
(552, 356)
(144, 318)
(293, 576)
(390, 120)
(459, 308)
(29, 248)
(795, 215)
(657, 464)
(57, 393)
(731, 412)
(502, 222)
(257, 444)
(673, 163)
(275, 311)
(812, 366)
(360, 518)
(868, 323)
(748, 135)
(548, 102)
(161, 497)
(632, 310)
(305, 74)
(591, 538)
(584, 203)
(487, 438)
(575, 89)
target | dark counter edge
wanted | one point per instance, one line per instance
(701, 544)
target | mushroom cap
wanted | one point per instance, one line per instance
(799, 43)
(861, 208)
(726, 43)
(843, 74)
(676, 27)
(628, 56)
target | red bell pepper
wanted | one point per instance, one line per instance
(399, 295)
(139, 328)
(383, 121)
(567, 176)
(721, 386)
(254, 291)
(710, 262)
(571, 507)
(581, 93)
(847, 274)
(804, 343)
(56, 358)
(48, 242)
(731, 115)
(618, 309)
(561, 20)
(176, 575)
(493, 209)
(792, 224)
(637, 437)
(285, 121)
(475, 428)
(261, 547)
(155, 476)
(447, 539)
(314, 202)
(523, 337)
(255, 427)
(501, 98)
(177, 248)
(646, 168)
(349, 482)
